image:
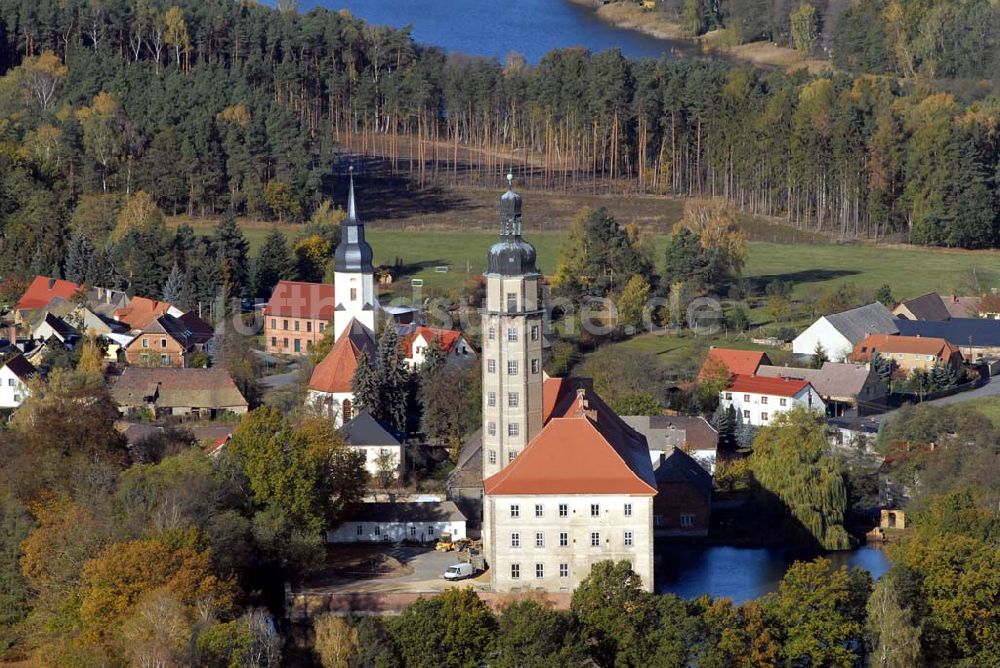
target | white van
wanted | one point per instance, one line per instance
(459, 572)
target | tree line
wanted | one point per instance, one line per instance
(239, 107)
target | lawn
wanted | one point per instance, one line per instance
(988, 406)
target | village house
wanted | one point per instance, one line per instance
(203, 393)
(140, 312)
(837, 334)
(691, 433)
(909, 352)
(15, 372)
(393, 522)
(929, 306)
(165, 341)
(844, 386)
(758, 400)
(976, 338)
(47, 327)
(725, 362)
(465, 482)
(382, 447)
(683, 503)
(416, 339)
(296, 316)
(40, 294)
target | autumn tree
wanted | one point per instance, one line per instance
(104, 128)
(454, 628)
(632, 304)
(43, 77)
(336, 641)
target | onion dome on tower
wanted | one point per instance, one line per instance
(512, 255)
(353, 254)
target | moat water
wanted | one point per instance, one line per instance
(742, 574)
(494, 29)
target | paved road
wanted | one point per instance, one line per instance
(279, 380)
(428, 567)
(990, 389)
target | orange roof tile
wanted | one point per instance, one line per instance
(298, 299)
(553, 390)
(140, 312)
(447, 338)
(735, 361)
(43, 290)
(920, 345)
(778, 387)
(585, 448)
(336, 372)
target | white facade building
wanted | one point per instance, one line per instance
(839, 332)
(14, 375)
(758, 400)
(401, 521)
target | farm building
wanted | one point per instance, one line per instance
(402, 521)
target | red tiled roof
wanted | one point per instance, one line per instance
(336, 372)
(297, 299)
(920, 345)
(140, 312)
(585, 448)
(43, 290)
(736, 361)
(779, 387)
(447, 338)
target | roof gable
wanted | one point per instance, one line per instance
(733, 361)
(678, 467)
(141, 311)
(43, 290)
(20, 367)
(364, 429)
(334, 375)
(919, 345)
(925, 307)
(858, 323)
(835, 379)
(202, 388)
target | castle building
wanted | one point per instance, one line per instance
(567, 483)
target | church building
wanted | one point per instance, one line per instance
(567, 483)
(355, 320)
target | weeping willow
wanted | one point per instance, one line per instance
(792, 461)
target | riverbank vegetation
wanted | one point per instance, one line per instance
(239, 107)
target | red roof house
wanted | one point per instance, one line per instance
(298, 299)
(43, 290)
(732, 361)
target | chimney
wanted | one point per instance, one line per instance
(52, 283)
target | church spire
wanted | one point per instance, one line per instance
(353, 254)
(512, 255)
(352, 213)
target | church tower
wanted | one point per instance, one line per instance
(354, 276)
(512, 342)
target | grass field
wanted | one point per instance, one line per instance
(988, 406)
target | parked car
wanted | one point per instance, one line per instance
(459, 572)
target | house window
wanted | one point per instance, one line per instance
(274, 341)
(535, 366)
(163, 343)
(763, 417)
(164, 359)
(539, 510)
(628, 539)
(413, 532)
(763, 400)
(511, 367)
(347, 409)
(515, 539)
(512, 334)
(658, 520)
(378, 530)
(284, 325)
(515, 571)
(354, 294)
(539, 539)
(274, 323)
(628, 510)
(512, 399)
(360, 530)
(564, 570)
(515, 510)
(687, 520)
(595, 538)
(10, 382)
(534, 332)
(309, 345)
(746, 415)
(493, 456)
(17, 398)
(145, 343)
(539, 570)
(563, 510)
(512, 429)
(563, 539)
(746, 397)
(295, 325)
(491, 333)
(491, 366)
(322, 327)
(511, 454)
(491, 399)
(729, 396)
(595, 510)
(783, 402)
(309, 326)
(491, 428)
(511, 301)
(430, 530)
(284, 343)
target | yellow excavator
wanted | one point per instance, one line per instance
(447, 543)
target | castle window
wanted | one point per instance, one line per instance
(512, 334)
(511, 301)
(491, 428)
(595, 510)
(493, 456)
(491, 366)
(491, 399)
(512, 429)
(564, 570)
(563, 510)
(534, 332)
(515, 571)
(491, 333)
(534, 366)
(511, 367)
(539, 570)
(515, 510)
(563, 539)
(595, 538)
(515, 540)
(539, 510)
(628, 510)
(539, 539)
(628, 539)
(512, 399)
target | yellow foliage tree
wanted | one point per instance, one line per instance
(42, 76)
(140, 212)
(335, 642)
(717, 228)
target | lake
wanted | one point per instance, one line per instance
(494, 29)
(743, 574)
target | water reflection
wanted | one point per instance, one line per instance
(743, 573)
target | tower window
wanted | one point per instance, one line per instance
(511, 367)
(515, 510)
(512, 429)
(512, 334)
(491, 399)
(539, 539)
(354, 294)
(534, 332)
(595, 539)
(511, 301)
(493, 455)
(491, 428)
(512, 399)
(534, 366)
(491, 333)
(491, 366)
